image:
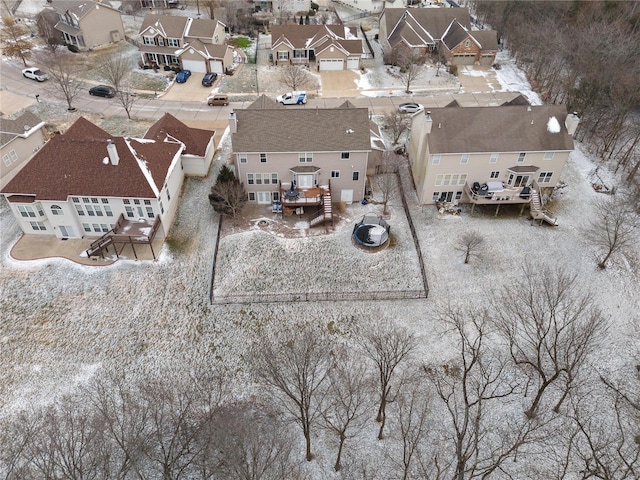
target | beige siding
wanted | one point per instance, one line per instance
(98, 24)
(24, 149)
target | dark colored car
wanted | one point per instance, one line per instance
(208, 79)
(183, 76)
(103, 91)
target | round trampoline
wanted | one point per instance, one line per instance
(371, 231)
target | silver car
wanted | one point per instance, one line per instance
(410, 107)
(34, 73)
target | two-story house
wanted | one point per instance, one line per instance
(301, 158)
(489, 155)
(282, 7)
(20, 138)
(446, 30)
(87, 182)
(88, 23)
(193, 44)
(327, 47)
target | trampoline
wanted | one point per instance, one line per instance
(371, 231)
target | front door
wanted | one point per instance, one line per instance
(346, 195)
(66, 231)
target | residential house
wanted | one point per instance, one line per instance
(282, 7)
(87, 24)
(328, 47)
(369, 6)
(489, 155)
(303, 157)
(192, 44)
(87, 182)
(20, 138)
(447, 30)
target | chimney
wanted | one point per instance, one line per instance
(113, 153)
(571, 122)
(233, 123)
(429, 122)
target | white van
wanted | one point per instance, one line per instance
(292, 98)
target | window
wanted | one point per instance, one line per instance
(161, 41)
(90, 211)
(345, 155)
(521, 156)
(6, 160)
(80, 210)
(147, 202)
(258, 179)
(495, 174)
(104, 200)
(299, 54)
(107, 210)
(435, 196)
(494, 158)
(250, 180)
(56, 210)
(435, 160)
(94, 200)
(150, 213)
(98, 210)
(39, 210)
(96, 227)
(137, 201)
(173, 42)
(86, 227)
(85, 199)
(305, 157)
(356, 176)
(161, 207)
(458, 195)
(283, 55)
(126, 201)
(549, 155)
(335, 173)
(545, 177)
(276, 196)
(252, 196)
(274, 178)
(148, 40)
(464, 159)
(129, 211)
(168, 195)
(451, 179)
(75, 199)
(242, 157)
(26, 211)
(263, 158)
(467, 43)
(38, 226)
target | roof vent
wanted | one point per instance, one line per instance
(349, 130)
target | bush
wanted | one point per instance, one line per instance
(168, 68)
(315, 6)
(72, 48)
(146, 66)
(453, 70)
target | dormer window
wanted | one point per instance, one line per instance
(161, 41)
(148, 40)
(173, 42)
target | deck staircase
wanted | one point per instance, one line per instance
(326, 214)
(99, 246)
(539, 213)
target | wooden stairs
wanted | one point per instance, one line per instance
(539, 213)
(326, 214)
(99, 246)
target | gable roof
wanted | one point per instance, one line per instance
(515, 128)
(207, 51)
(79, 9)
(421, 26)
(301, 130)
(456, 34)
(304, 37)
(488, 39)
(170, 129)
(202, 27)
(23, 125)
(168, 26)
(263, 102)
(77, 163)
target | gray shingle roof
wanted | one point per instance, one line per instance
(420, 23)
(10, 129)
(497, 129)
(172, 27)
(301, 130)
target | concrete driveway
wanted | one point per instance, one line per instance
(189, 91)
(339, 84)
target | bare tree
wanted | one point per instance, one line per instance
(228, 196)
(296, 77)
(397, 124)
(470, 244)
(295, 368)
(18, 433)
(551, 325)
(14, 41)
(347, 401)
(470, 389)
(114, 69)
(388, 347)
(63, 72)
(386, 180)
(613, 228)
(411, 66)
(250, 444)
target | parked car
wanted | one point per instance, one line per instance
(183, 76)
(292, 98)
(34, 73)
(103, 91)
(218, 100)
(410, 107)
(208, 79)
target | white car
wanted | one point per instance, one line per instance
(34, 73)
(410, 107)
(292, 98)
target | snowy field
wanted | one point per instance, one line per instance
(62, 324)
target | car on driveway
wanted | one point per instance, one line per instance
(410, 107)
(103, 91)
(183, 76)
(208, 79)
(34, 73)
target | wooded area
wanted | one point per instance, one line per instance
(585, 55)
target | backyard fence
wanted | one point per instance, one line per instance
(366, 39)
(318, 296)
(215, 258)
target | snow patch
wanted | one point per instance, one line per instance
(553, 126)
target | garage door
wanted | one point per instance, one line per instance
(215, 66)
(331, 64)
(353, 63)
(196, 66)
